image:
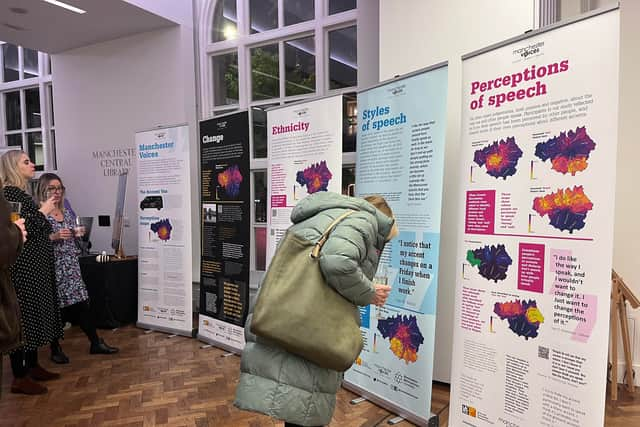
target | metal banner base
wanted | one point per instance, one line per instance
(432, 421)
(170, 331)
(219, 344)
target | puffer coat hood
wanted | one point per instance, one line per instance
(286, 386)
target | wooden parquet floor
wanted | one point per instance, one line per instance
(156, 380)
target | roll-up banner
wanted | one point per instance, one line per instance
(164, 230)
(305, 156)
(225, 224)
(538, 155)
(401, 143)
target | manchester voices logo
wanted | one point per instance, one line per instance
(528, 51)
(397, 90)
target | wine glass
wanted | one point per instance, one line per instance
(15, 208)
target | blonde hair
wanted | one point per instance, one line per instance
(43, 183)
(9, 173)
(380, 203)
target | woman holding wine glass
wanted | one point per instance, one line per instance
(33, 277)
(72, 292)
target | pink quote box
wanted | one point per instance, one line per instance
(480, 212)
(531, 267)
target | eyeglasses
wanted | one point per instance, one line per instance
(56, 189)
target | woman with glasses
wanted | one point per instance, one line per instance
(72, 292)
(33, 277)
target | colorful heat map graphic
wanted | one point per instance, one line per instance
(568, 152)
(163, 229)
(230, 179)
(404, 336)
(492, 261)
(567, 209)
(524, 317)
(500, 158)
(316, 177)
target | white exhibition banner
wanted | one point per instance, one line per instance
(538, 153)
(164, 230)
(401, 145)
(305, 156)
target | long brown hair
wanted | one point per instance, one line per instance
(380, 203)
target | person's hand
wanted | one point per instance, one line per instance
(381, 294)
(65, 234)
(20, 224)
(47, 206)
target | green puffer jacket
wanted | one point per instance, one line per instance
(283, 385)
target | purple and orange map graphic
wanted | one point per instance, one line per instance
(316, 177)
(404, 336)
(163, 229)
(523, 316)
(567, 209)
(492, 261)
(499, 158)
(230, 179)
(568, 151)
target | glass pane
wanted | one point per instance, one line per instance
(14, 140)
(30, 58)
(349, 121)
(300, 66)
(337, 6)
(225, 21)
(263, 15)
(49, 64)
(50, 92)
(265, 72)
(12, 110)
(10, 56)
(343, 58)
(225, 79)
(52, 147)
(32, 99)
(260, 196)
(298, 11)
(261, 248)
(348, 180)
(259, 126)
(36, 152)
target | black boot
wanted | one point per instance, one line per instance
(100, 347)
(57, 355)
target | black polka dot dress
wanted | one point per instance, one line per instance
(33, 276)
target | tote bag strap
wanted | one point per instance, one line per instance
(316, 249)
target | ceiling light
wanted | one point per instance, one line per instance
(230, 32)
(65, 6)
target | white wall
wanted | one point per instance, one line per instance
(103, 95)
(627, 232)
(418, 33)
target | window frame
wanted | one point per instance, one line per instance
(42, 82)
(318, 28)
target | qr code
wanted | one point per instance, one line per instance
(210, 302)
(543, 352)
(274, 212)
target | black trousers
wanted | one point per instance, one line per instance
(22, 361)
(80, 314)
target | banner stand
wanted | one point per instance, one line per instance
(217, 344)
(180, 332)
(432, 421)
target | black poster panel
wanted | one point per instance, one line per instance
(225, 217)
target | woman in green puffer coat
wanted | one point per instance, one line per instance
(288, 387)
